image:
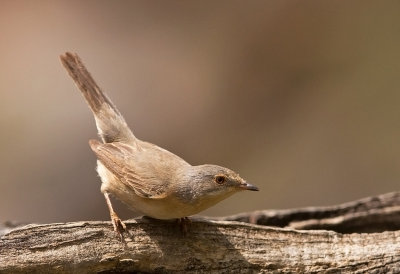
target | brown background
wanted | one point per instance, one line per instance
(301, 98)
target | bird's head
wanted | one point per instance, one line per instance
(207, 185)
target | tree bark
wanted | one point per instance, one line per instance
(372, 214)
(218, 245)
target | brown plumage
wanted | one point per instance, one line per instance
(147, 178)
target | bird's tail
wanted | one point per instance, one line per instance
(109, 121)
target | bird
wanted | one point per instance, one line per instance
(148, 179)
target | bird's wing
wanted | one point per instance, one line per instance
(119, 158)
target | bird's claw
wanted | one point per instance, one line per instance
(118, 224)
(184, 224)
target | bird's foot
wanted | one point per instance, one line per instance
(184, 224)
(119, 226)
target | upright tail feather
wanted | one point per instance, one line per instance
(109, 121)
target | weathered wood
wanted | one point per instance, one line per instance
(213, 246)
(371, 214)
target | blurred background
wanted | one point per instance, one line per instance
(301, 98)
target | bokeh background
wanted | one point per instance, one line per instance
(301, 97)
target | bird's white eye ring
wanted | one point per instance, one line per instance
(220, 179)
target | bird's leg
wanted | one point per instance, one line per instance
(184, 223)
(118, 225)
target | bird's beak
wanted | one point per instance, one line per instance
(247, 186)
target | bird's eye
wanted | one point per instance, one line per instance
(220, 179)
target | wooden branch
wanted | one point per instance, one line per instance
(210, 246)
(372, 214)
